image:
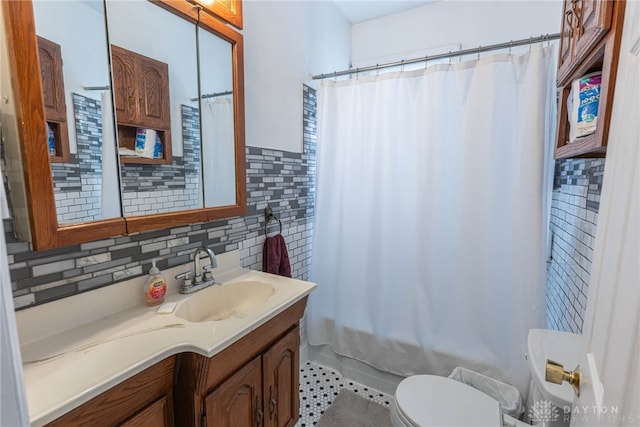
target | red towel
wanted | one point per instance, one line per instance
(275, 258)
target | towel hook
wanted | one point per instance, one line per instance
(268, 217)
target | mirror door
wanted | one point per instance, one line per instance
(78, 114)
(217, 119)
(75, 173)
(155, 74)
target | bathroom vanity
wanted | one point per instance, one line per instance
(104, 358)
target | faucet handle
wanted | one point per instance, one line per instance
(186, 276)
(208, 275)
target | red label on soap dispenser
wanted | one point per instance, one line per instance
(157, 288)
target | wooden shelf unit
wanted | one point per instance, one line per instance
(585, 52)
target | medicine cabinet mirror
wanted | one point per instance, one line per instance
(128, 153)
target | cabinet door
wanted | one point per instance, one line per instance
(280, 366)
(237, 402)
(594, 17)
(124, 85)
(50, 56)
(566, 39)
(585, 23)
(153, 93)
(154, 415)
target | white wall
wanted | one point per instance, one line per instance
(285, 43)
(469, 23)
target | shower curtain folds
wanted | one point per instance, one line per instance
(430, 220)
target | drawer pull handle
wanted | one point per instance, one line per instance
(272, 403)
(258, 413)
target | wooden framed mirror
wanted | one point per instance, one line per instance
(47, 228)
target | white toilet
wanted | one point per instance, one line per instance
(431, 401)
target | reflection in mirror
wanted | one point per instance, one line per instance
(155, 78)
(217, 119)
(72, 48)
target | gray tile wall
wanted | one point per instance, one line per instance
(574, 216)
(78, 184)
(281, 179)
(149, 189)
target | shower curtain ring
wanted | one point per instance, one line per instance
(357, 73)
(510, 46)
(426, 59)
(479, 49)
(449, 57)
(530, 43)
(377, 70)
(402, 66)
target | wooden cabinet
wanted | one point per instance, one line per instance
(585, 23)
(41, 226)
(590, 42)
(55, 106)
(252, 383)
(262, 393)
(227, 10)
(144, 400)
(280, 379)
(141, 92)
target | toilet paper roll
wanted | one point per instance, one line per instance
(146, 143)
(583, 105)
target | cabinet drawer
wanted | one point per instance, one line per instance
(155, 415)
(148, 390)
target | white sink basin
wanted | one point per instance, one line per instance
(225, 301)
(561, 347)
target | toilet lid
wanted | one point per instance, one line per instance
(429, 400)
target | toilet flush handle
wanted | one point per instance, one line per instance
(556, 374)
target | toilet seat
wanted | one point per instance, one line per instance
(429, 400)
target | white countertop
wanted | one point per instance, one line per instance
(78, 347)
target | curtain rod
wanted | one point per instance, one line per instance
(476, 50)
(107, 87)
(214, 95)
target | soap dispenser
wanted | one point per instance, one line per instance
(155, 287)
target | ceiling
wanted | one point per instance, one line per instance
(363, 10)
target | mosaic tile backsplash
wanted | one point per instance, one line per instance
(149, 189)
(284, 180)
(574, 217)
(77, 184)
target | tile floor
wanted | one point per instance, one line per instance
(320, 385)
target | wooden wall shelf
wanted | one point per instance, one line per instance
(592, 44)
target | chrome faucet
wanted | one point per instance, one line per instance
(203, 275)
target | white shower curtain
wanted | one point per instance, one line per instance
(430, 222)
(218, 152)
